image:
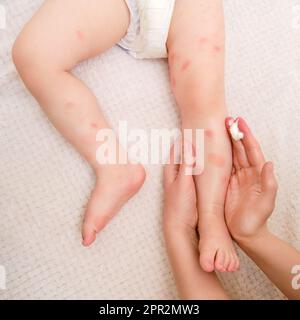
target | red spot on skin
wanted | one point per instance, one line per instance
(203, 40)
(217, 49)
(79, 35)
(216, 160)
(209, 133)
(173, 82)
(94, 125)
(186, 65)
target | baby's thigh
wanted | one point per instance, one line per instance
(194, 23)
(65, 32)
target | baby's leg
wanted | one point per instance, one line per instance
(60, 35)
(196, 62)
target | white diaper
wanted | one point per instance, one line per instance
(149, 27)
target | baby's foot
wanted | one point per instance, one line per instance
(216, 248)
(115, 185)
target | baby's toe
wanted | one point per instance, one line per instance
(232, 265)
(88, 234)
(93, 223)
(228, 260)
(220, 261)
(207, 257)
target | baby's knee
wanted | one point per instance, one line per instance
(23, 54)
(29, 58)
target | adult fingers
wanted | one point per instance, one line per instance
(253, 150)
(240, 159)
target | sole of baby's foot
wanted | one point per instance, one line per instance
(115, 185)
(217, 252)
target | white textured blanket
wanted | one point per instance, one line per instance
(44, 184)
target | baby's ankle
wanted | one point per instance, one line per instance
(211, 211)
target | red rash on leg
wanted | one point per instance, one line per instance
(94, 125)
(209, 133)
(203, 40)
(217, 49)
(79, 35)
(217, 160)
(186, 65)
(173, 82)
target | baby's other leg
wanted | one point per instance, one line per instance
(196, 63)
(60, 35)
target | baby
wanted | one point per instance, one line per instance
(190, 33)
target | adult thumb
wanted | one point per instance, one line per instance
(269, 182)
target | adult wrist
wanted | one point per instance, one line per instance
(254, 240)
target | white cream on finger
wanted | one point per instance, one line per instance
(235, 132)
